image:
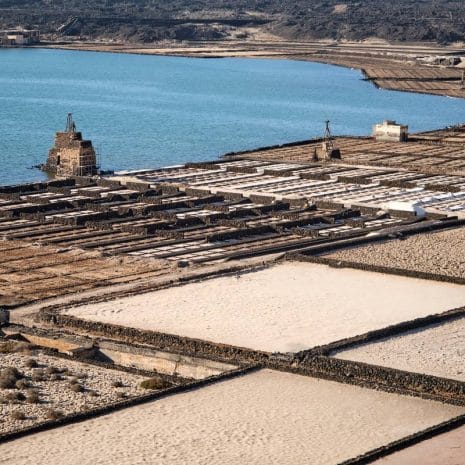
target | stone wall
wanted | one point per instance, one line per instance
(366, 267)
(161, 341)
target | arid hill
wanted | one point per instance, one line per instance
(151, 20)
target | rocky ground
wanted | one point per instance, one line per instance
(439, 252)
(36, 387)
(148, 21)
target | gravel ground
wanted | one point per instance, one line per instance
(439, 252)
(57, 394)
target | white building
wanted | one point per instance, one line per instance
(19, 36)
(390, 131)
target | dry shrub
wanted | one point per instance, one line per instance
(51, 370)
(17, 415)
(31, 363)
(38, 375)
(22, 384)
(9, 376)
(154, 383)
(8, 347)
(52, 414)
(14, 397)
(11, 347)
(76, 387)
(121, 395)
(12, 371)
(117, 384)
(56, 377)
(32, 396)
(7, 382)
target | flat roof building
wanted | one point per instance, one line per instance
(19, 36)
(390, 131)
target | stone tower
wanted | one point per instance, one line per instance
(71, 156)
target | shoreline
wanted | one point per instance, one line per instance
(387, 66)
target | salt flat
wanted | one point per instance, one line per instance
(438, 350)
(265, 417)
(445, 449)
(286, 308)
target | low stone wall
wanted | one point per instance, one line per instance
(335, 263)
(309, 363)
(161, 341)
(230, 269)
(389, 331)
(95, 351)
(378, 377)
(407, 441)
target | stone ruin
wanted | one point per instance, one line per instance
(71, 155)
(327, 151)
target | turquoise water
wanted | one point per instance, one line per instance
(146, 111)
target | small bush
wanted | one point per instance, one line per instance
(154, 383)
(38, 375)
(32, 396)
(31, 363)
(9, 376)
(13, 372)
(73, 380)
(56, 377)
(117, 384)
(22, 384)
(7, 382)
(10, 347)
(51, 370)
(17, 415)
(52, 414)
(94, 393)
(121, 395)
(15, 396)
(76, 387)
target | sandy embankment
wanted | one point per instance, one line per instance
(285, 308)
(438, 350)
(440, 252)
(265, 417)
(446, 449)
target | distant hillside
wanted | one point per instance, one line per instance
(152, 20)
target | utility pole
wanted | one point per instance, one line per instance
(70, 126)
(328, 139)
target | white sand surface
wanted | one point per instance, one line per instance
(445, 449)
(262, 418)
(286, 308)
(438, 350)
